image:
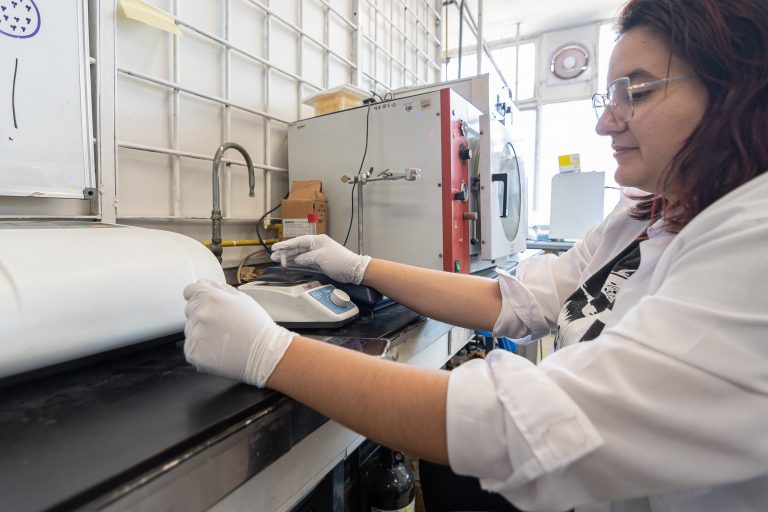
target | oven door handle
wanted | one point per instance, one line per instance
(504, 178)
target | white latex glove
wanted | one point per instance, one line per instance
(323, 253)
(230, 335)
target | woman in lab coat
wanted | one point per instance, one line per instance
(657, 397)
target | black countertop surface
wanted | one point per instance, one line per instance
(68, 438)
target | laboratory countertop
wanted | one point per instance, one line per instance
(87, 436)
(550, 245)
(144, 427)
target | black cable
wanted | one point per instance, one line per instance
(359, 171)
(351, 214)
(258, 235)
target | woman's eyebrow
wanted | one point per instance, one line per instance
(640, 74)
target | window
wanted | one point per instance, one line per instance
(468, 66)
(506, 59)
(605, 44)
(526, 85)
(567, 128)
(526, 127)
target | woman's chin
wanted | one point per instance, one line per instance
(627, 176)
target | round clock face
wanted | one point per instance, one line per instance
(569, 61)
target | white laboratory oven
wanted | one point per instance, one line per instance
(464, 213)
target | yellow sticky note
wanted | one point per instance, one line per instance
(139, 11)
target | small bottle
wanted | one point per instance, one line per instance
(312, 220)
(389, 483)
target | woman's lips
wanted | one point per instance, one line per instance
(620, 151)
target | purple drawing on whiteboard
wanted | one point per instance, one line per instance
(19, 18)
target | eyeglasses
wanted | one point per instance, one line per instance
(621, 97)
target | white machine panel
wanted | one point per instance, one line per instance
(402, 220)
(489, 95)
(304, 304)
(502, 187)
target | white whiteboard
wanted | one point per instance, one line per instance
(45, 116)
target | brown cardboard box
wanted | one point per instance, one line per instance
(306, 197)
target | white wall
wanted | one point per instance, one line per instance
(163, 104)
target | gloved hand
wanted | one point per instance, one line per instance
(230, 335)
(323, 253)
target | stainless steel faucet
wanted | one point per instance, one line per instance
(215, 246)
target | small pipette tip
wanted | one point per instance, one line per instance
(283, 262)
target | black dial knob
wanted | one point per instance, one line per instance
(462, 194)
(465, 153)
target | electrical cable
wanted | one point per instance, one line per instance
(258, 235)
(359, 172)
(351, 214)
(261, 241)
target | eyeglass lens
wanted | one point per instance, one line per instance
(618, 98)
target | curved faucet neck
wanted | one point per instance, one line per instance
(217, 163)
(215, 246)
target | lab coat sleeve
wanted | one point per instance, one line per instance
(532, 299)
(674, 396)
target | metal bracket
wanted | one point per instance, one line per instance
(90, 193)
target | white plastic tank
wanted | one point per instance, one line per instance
(70, 290)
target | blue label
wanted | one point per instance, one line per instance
(323, 296)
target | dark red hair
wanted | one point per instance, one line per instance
(726, 44)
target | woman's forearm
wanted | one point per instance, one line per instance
(338, 382)
(369, 395)
(458, 299)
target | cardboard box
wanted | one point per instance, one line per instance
(306, 197)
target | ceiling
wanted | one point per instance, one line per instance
(500, 17)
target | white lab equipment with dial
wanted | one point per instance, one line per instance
(297, 300)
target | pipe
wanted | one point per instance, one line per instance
(479, 53)
(241, 243)
(216, 247)
(360, 210)
(461, 30)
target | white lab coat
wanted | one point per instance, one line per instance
(666, 410)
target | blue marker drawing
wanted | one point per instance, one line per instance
(19, 19)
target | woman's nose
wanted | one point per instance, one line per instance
(608, 124)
